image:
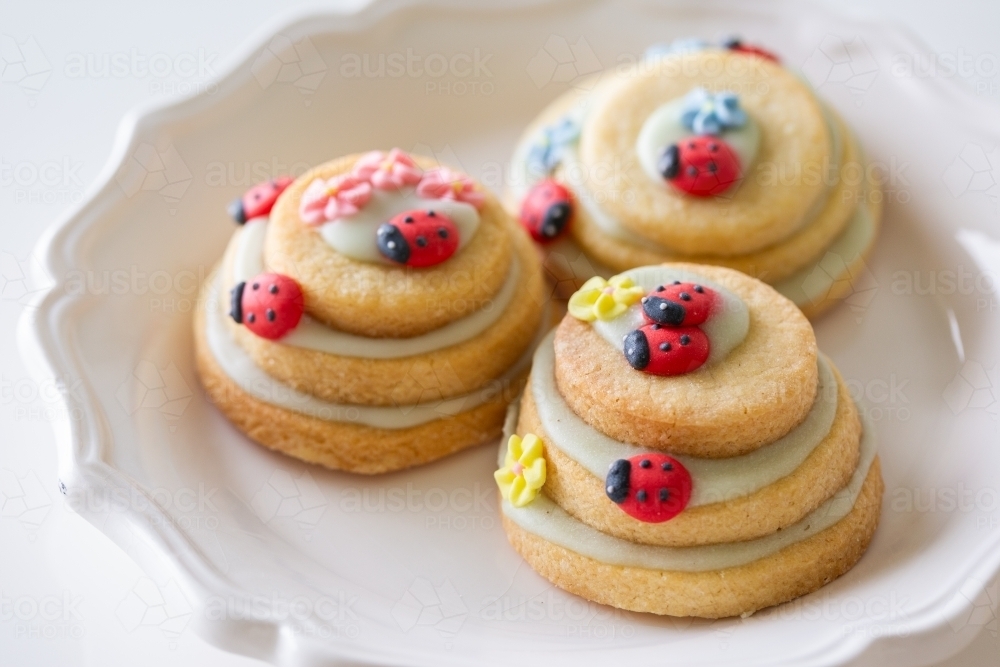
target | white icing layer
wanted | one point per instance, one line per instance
(550, 522)
(812, 283)
(715, 480)
(241, 369)
(313, 335)
(726, 328)
(664, 127)
(354, 236)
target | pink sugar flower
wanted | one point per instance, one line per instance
(341, 196)
(443, 183)
(387, 171)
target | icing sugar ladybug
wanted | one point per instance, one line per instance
(258, 200)
(663, 350)
(702, 166)
(270, 305)
(650, 487)
(418, 238)
(547, 210)
(737, 45)
(679, 304)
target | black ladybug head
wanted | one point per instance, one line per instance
(636, 348)
(617, 483)
(556, 218)
(236, 302)
(392, 244)
(663, 311)
(236, 211)
(669, 164)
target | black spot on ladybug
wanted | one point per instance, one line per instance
(667, 466)
(732, 43)
(664, 495)
(660, 288)
(392, 243)
(442, 232)
(236, 302)
(663, 311)
(691, 144)
(640, 495)
(664, 347)
(251, 318)
(713, 147)
(692, 170)
(685, 296)
(712, 168)
(676, 282)
(422, 241)
(699, 289)
(256, 286)
(637, 349)
(617, 483)
(669, 162)
(645, 463)
(270, 314)
(408, 219)
(431, 214)
(273, 289)
(685, 339)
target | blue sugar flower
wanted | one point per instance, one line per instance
(707, 113)
(547, 151)
(684, 45)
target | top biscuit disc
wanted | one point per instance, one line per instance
(776, 192)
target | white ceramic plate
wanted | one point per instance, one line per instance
(301, 566)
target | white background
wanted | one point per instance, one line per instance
(56, 131)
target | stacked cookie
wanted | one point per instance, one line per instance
(700, 153)
(682, 448)
(378, 312)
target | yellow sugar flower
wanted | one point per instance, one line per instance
(601, 299)
(523, 471)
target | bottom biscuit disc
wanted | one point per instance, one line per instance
(348, 446)
(799, 568)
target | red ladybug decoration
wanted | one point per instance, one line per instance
(418, 238)
(258, 200)
(547, 210)
(650, 487)
(662, 350)
(679, 304)
(270, 305)
(702, 166)
(749, 49)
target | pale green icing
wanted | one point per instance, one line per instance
(714, 480)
